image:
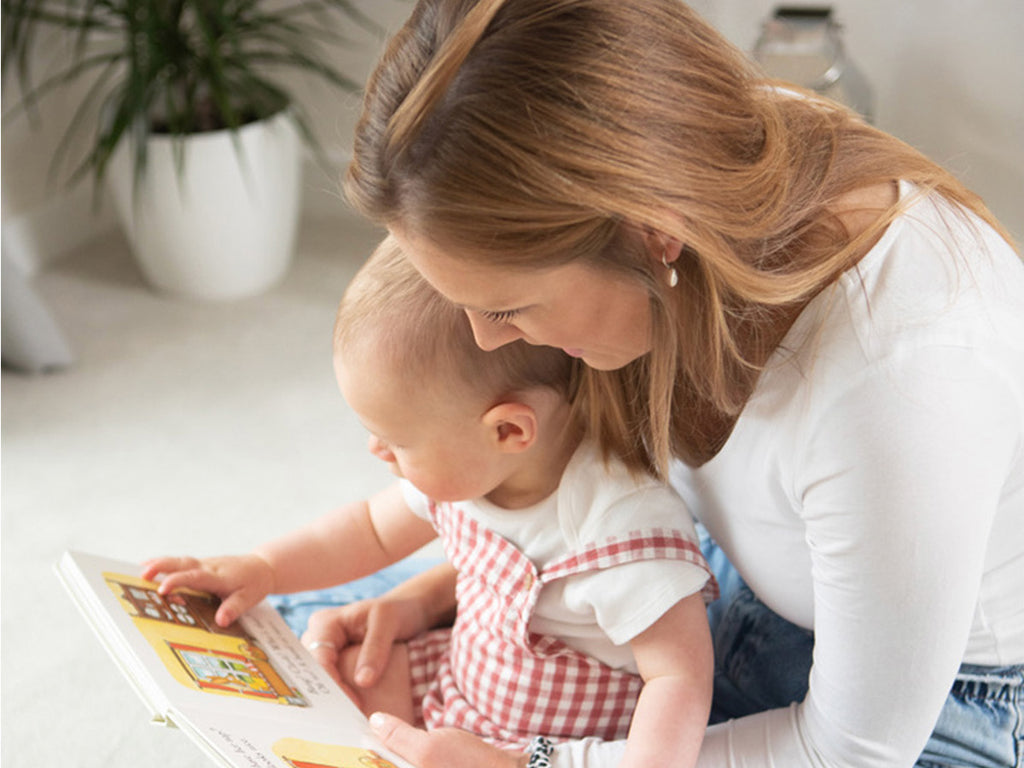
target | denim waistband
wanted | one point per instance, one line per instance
(998, 683)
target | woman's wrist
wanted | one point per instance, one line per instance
(538, 754)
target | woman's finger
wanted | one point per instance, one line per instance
(375, 651)
(326, 637)
(326, 655)
(443, 748)
(328, 625)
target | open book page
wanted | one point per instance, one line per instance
(249, 694)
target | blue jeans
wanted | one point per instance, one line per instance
(762, 661)
(982, 722)
(297, 608)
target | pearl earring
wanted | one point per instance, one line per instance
(673, 276)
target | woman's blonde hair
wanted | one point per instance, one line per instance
(536, 132)
(390, 306)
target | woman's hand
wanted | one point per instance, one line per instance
(423, 602)
(375, 625)
(239, 581)
(442, 748)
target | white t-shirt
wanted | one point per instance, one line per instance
(873, 491)
(597, 612)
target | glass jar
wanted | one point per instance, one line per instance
(803, 45)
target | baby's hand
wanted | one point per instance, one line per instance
(240, 581)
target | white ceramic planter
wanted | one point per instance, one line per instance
(223, 226)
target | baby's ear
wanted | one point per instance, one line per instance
(513, 426)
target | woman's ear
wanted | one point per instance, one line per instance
(663, 248)
(512, 426)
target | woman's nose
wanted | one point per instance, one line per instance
(490, 335)
(380, 449)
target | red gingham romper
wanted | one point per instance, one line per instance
(490, 675)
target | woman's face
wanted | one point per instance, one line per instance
(593, 314)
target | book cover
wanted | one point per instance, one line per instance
(250, 695)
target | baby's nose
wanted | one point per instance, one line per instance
(380, 449)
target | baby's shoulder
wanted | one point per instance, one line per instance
(600, 498)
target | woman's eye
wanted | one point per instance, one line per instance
(500, 317)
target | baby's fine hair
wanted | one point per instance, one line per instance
(390, 305)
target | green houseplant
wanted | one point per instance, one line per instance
(166, 77)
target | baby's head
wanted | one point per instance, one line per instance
(441, 411)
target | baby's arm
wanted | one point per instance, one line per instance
(676, 662)
(353, 541)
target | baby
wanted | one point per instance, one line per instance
(580, 587)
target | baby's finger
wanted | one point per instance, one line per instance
(233, 606)
(196, 578)
(166, 565)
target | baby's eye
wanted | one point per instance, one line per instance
(501, 317)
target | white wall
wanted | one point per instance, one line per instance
(41, 217)
(948, 77)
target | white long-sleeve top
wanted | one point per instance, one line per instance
(873, 491)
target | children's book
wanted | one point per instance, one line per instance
(250, 695)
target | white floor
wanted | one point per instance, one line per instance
(182, 428)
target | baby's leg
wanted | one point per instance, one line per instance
(392, 693)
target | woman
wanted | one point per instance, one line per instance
(808, 327)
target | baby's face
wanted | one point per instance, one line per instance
(435, 440)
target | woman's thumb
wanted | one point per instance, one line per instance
(398, 736)
(443, 748)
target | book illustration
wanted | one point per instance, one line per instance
(298, 753)
(220, 673)
(195, 650)
(185, 608)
